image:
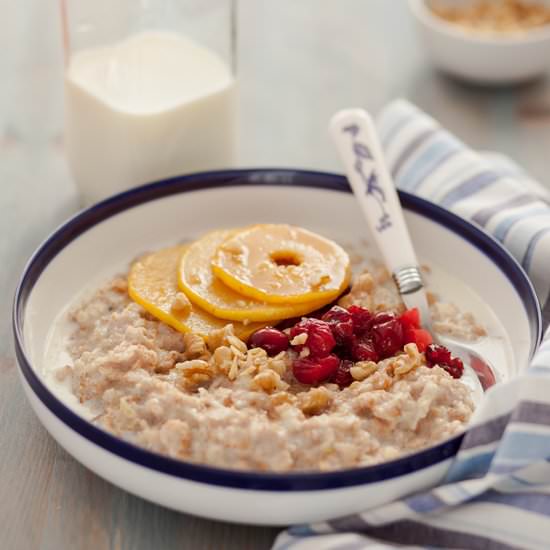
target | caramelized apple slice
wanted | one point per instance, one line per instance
(198, 282)
(153, 284)
(282, 264)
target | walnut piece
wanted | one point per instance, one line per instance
(363, 369)
(315, 401)
(181, 304)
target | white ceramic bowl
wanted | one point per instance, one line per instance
(101, 240)
(482, 58)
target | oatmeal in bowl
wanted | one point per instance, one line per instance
(165, 368)
(345, 377)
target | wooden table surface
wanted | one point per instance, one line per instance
(299, 62)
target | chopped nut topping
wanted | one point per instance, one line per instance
(280, 398)
(195, 372)
(363, 369)
(269, 381)
(195, 346)
(221, 336)
(196, 366)
(299, 339)
(181, 304)
(315, 401)
(491, 16)
(410, 360)
(237, 344)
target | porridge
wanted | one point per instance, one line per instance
(345, 379)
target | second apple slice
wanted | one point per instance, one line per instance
(152, 283)
(202, 287)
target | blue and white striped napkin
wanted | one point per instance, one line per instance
(497, 492)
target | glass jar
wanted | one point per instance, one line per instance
(150, 90)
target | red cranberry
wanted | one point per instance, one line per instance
(409, 335)
(341, 323)
(387, 337)
(344, 352)
(440, 355)
(312, 370)
(455, 367)
(343, 333)
(363, 350)
(410, 318)
(320, 340)
(272, 340)
(342, 376)
(419, 336)
(380, 318)
(336, 314)
(361, 318)
(437, 355)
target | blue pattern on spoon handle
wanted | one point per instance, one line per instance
(355, 136)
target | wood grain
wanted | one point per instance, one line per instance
(299, 62)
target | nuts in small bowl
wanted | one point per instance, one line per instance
(490, 16)
(491, 42)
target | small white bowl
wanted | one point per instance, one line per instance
(98, 242)
(496, 58)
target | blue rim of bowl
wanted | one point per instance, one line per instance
(298, 481)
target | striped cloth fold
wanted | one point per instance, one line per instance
(496, 494)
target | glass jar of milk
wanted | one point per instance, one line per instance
(150, 90)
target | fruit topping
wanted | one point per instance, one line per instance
(270, 339)
(341, 324)
(441, 356)
(361, 319)
(354, 335)
(410, 318)
(153, 284)
(437, 355)
(419, 336)
(278, 263)
(364, 350)
(342, 376)
(412, 333)
(387, 336)
(319, 339)
(203, 288)
(312, 370)
(455, 368)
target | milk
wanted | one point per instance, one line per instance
(152, 106)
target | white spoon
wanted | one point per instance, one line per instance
(356, 139)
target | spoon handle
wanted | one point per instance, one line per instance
(356, 139)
